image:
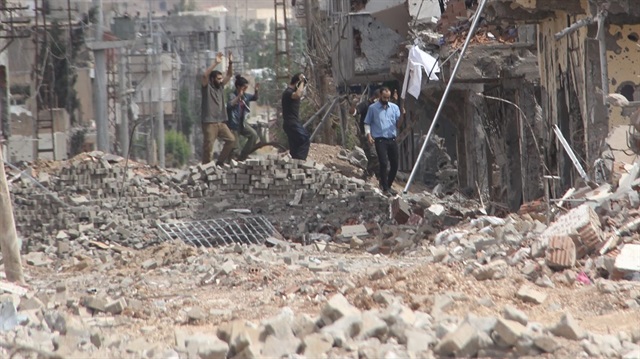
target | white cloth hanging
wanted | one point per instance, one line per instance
(417, 61)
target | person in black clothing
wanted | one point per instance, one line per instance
(361, 109)
(299, 138)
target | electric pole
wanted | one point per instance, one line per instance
(100, 86)
(160, 104)
(8, 235)
(124, 104)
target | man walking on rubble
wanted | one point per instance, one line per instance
(373, 166)
(214, 112)
(299, 139)
(380, 126)
(238, 108)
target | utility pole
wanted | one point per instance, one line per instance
(124, 104)
(100, 86)
(8, 235)
(160, 104)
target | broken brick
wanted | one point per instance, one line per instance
(400, 210)
(561, 253)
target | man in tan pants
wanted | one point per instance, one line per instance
(214, 111)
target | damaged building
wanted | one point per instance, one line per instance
(522, 75)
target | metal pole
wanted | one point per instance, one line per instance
(124, 104)
(472, 31)
(100, 87)
(324, 118)
(160, 102)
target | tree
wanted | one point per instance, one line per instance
(187, 116)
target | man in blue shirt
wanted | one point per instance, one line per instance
(380, 126)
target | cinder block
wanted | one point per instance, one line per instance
(400, 210)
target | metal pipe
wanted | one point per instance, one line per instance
(472, 31)
(324, 118)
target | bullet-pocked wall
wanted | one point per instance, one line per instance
(623, 56)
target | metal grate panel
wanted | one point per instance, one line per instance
(220, 232)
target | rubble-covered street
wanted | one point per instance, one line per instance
(345, 272)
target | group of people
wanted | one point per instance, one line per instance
(226, 121)
(222, 119)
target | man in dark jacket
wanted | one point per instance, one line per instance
(238, 109)
(299, 138)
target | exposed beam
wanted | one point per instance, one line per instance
(575, 27)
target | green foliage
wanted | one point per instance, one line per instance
(186, 111)
(177, 149)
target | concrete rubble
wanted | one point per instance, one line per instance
(355, 274)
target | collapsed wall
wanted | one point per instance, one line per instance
(95, 191)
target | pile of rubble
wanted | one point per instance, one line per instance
(96, 191)
(221, 304)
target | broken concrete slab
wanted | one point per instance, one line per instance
(512, 313)
(316, 345)
(530, 295)
(372, 326)
(568, 328)
(343, 329)
(337, 307)
(629, 258)
(357, 230)
(463, 342)
(509, 331)
(206, 346)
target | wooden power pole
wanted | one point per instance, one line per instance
(8, 235)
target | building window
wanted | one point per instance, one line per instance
(627, 90)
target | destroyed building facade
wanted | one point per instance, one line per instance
(520, 77)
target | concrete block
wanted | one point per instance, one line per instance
(275, 347)
(372, 326)
(568, 328)
(400, 210)
(494, 270)
(117, 306)
(303, 325)
(358, 230)
(206, 346)
(629, 258)
(316, 345)
(509, 331)
(343, 329)
(546, 343)
(512, 313)
(336, 308)
(463, 342)
(419, 341)
(530, 295)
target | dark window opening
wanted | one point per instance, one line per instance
(358, 5)
(628, 91)
(357, 42)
